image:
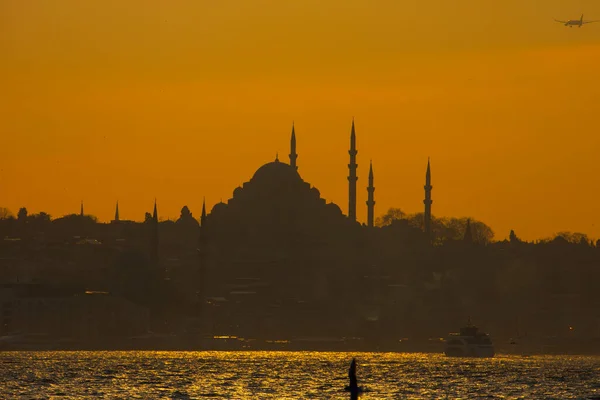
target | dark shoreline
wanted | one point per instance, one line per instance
(288, 347)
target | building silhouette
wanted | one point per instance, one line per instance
(277, 260)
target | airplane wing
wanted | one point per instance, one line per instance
(589, 22)
(562, 22)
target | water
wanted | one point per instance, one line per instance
(291, 375)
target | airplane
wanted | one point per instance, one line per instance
(576, 22)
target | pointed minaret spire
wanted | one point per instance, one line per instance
(154, 236)
(427, 201)
(203, 216)
(155, 213)
(353, 136)
(352, 178)
(202, 249)
(371, 198)
(117, 212)
(293, 155)
(81, 209)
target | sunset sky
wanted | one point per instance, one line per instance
(130, 100)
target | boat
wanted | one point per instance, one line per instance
(470, 342)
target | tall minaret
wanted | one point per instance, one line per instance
(81, 209)
(155, 214)
(203, 216)
(293, 155)
(202, 235)
(117, 212)
(202, 261)
(352, 178)
(371, 198)
(427, 201)
(154, 236)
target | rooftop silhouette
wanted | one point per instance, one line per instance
(278, 261)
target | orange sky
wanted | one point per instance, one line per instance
(113, 100)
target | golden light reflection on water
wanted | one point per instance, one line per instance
(290, 375)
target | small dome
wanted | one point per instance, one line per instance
(237, 192)
(219, 206)
(334, 208)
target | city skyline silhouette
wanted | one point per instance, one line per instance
(351, 210)
(299, 199)
(184, 101)
(277, 259)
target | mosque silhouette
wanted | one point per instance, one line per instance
(280, 253)
(277, 197)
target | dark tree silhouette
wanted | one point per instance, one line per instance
(573, 237)
(22, 214)
(455, 230)
(5, 213)
(393, 214)
(482, 233)
(444, 229)
(39, 221)
(148, 217)
(42, 217)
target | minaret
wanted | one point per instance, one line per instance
(352, 178)
(117, 212)
(81, 209)
(203, 216)
(371, 198)
(155, 214)
(202, 261)
(202, 236)
(428, 201)
(154, 236)
(293, 155)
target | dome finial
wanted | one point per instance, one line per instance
(277, 157)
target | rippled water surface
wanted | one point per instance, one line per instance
(293, 375)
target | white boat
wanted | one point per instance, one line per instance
(469, 343)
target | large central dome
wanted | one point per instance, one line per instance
(276, 172)
(276, 195)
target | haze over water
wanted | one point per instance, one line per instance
(291, 375)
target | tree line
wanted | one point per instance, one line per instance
(443, 229)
